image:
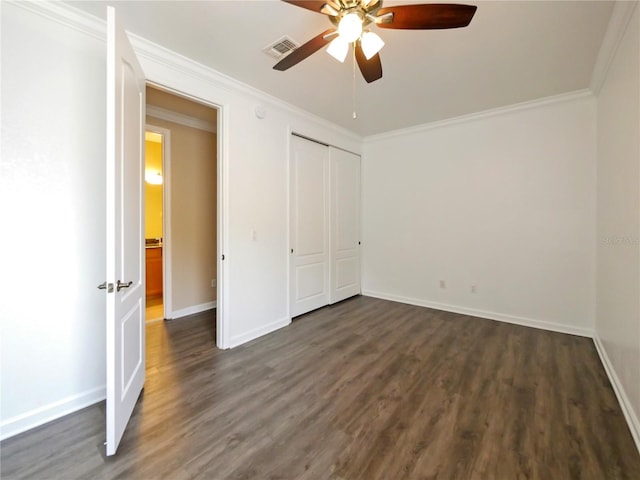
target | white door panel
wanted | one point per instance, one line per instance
(346, 277)
(125, 231)
(309, 173)
(345, 225)
(310, 206)
(310, 281)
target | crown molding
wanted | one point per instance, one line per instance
(70, 16)
(180, 118)
(79, 20)
(186, 66)
(620, 17)
(518, 107)
(66, 15)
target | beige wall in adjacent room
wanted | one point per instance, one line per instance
(193, 186)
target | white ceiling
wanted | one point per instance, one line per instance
(512, 52)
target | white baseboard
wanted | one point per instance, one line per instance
(527, 322)
(629, 414)
(258, 332)
(183, 312)
(41, 415)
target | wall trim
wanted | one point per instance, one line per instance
(180, 118)
(66, 15)
(80, 20)
(47, 413)
(620, 17)
(623, 400)
(472, 117)
(500, 317)
(190, 68)
(245, 337)
(192, 310)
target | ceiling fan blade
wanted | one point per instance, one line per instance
(313, 5)
(371, 69)
(305, 50)
(428, 16)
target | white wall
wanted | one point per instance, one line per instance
(504, 201)
(52, 216)
(255, 162)
(53, 204)
(618, 223)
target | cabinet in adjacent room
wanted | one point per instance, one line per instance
(154, 271)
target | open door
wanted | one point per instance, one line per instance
(125, 283)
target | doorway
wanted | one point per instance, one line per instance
(156, 139)
(181, 234)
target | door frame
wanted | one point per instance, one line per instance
(167, 302)
(222, 221)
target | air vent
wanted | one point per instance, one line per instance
(281, 47)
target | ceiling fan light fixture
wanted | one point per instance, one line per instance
(350, 27)
(371, 44)
(329, 10)
(352, 16)
(338, 49)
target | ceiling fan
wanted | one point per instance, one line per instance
(351, 19)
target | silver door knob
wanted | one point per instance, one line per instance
(120, 285)
(106, 286)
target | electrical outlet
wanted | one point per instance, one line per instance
(213, 283)
(474, 289)
(443, 284)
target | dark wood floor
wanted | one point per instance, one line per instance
(366, 389)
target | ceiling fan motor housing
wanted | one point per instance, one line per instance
(365, 11)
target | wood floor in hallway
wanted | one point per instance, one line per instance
(154, 308)
(365, 389)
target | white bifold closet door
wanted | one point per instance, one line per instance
(325, 225)
(310, 207)
(345, 225)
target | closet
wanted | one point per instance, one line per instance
(325, 225)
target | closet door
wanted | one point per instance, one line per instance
(345, 225)
(309, 173)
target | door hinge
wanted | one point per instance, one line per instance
(222, 258)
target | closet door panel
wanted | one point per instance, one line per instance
(345, 225)
(309, 173)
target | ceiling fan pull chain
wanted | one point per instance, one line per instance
(355, 115)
